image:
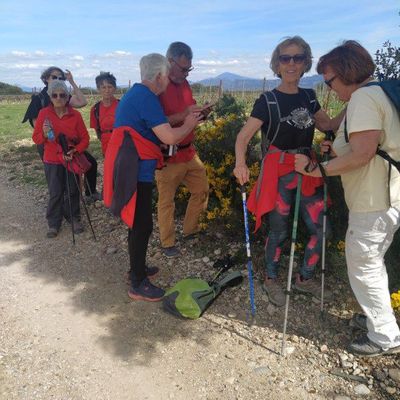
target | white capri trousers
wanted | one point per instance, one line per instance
(368, 237)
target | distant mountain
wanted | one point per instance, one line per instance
(25, 89)
(236, 82)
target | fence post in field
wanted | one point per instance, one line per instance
(220, 89)
(264, 82)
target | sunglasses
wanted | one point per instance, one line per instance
(329, 81)
(297, 58)
(59, 95)
(184, 70)
(60, 78)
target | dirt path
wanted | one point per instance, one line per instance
(69, 331)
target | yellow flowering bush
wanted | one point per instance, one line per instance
(215, 143)
(395, 300)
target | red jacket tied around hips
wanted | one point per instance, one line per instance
(71, 125)
(121, 166)
(263, 196)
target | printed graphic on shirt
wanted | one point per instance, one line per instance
(299, 118)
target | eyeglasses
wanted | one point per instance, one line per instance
(60, 78)
(184, 70)
(297, 58)
(329, 81)
(59, 95)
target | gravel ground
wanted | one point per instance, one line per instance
(69, 330)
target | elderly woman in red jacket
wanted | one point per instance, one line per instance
(55, 119)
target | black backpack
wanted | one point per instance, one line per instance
(275, 117)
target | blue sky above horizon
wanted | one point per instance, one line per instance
(236, 36)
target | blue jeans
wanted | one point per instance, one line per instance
(311, 210)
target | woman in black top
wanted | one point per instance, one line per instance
(294, 112)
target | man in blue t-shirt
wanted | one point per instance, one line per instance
(141, 110)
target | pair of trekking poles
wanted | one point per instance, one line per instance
(65, 148)
(328, 136)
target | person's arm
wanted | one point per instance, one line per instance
(82, 134)
(169, 135)
(38, 135)
(241, 171)
(324, 123)
(363, 147)
(77, 99)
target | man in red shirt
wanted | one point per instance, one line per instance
(185, 165)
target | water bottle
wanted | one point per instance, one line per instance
(50, 133)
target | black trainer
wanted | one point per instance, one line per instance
(363, 346)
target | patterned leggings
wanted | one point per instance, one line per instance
(311, 210)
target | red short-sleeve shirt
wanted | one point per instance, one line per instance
(175, 99)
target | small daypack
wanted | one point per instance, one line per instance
(275, 117)
(190, 297)
(392, 90)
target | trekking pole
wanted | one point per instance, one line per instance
(69, 203)
(85, 206)
(291, 260)
(329, 135)
(249, 261)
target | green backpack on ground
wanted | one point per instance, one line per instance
(190, 297)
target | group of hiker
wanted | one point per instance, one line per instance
(149, 136)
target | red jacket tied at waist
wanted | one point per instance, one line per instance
(121, 166)
(264, 194)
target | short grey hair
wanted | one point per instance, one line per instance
(298, 41)
(178, 49)
(153, 64)
(56, 85)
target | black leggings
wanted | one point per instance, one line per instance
(138, 236)
(91, 175)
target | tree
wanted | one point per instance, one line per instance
(387, 62)
(9, 89)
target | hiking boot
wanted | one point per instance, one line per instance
(311, 287)
(196, 235)
(78, 227)
(359, 321)
(146, 291)
(362, 346)
(274, 292)
(92, 198)
(150, 271)
(52, 233)
(170, 252)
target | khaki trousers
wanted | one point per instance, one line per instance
(193, 175)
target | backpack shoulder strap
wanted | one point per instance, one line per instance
(312, 98)
(231, 279)
(274, 114)
(97, 115)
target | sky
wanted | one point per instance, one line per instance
(237, 36)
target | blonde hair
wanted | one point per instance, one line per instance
(298, 41)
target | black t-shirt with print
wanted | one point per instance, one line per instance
(297, 119)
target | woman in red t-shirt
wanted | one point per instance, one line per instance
(55, 119)
(102, 114)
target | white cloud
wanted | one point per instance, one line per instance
(77, 58)
(39, 53)
(118, 53)
(19, 53)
